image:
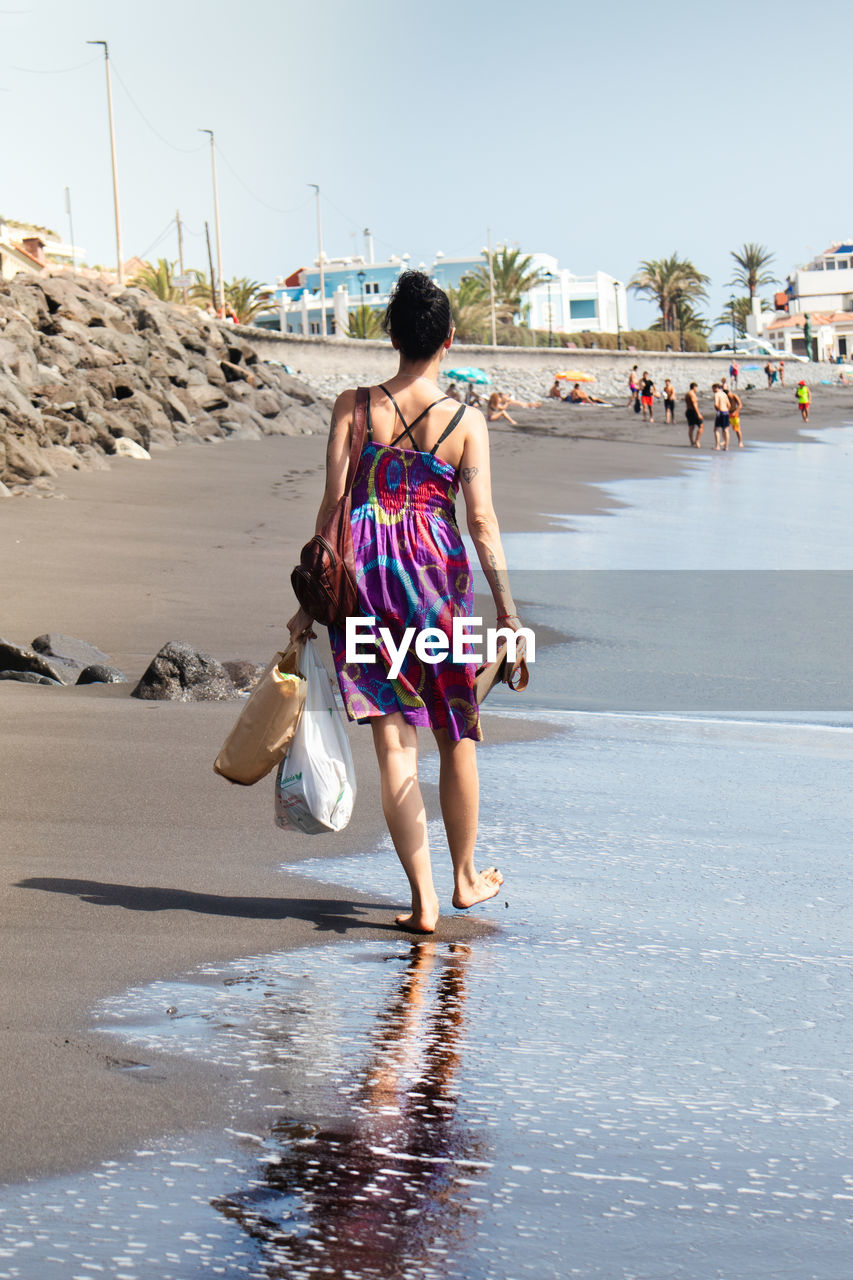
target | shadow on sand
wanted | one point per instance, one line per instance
(327, 914)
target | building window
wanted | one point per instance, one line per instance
(315, 326)
(842, 264)
(582, 308)
(830, 264)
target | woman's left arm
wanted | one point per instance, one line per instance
(337, 461)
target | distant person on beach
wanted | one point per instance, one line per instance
(804, 399)
(648, 392)
(735, 406)
(419, 451)
(471, 397)
(781, 373)
(556, 391)
(499, 408)
(578, 396)
(634, 387)
(668, 401)
(722, 406)
(733, 373)
(453, 393)
(770, 370)
(695, 421)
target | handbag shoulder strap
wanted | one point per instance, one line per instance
(359, 428)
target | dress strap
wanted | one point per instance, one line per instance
(453, 423)
(411, 426)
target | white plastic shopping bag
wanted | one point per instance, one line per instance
(315, 782)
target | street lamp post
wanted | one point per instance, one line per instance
(616, 284)
(363, 317)
(120, 263)
(221, 292)
(488, 252)
(734, 329)
(320, 259)
(549, 276)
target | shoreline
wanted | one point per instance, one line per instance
(138, 870)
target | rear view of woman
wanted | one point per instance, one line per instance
(413, 571)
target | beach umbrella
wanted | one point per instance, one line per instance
(468, 375)
(575, 375)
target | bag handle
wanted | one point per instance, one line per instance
(359, 428)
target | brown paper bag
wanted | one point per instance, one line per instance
(265, 727)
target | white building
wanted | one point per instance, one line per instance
(566, 303)
(826, 284)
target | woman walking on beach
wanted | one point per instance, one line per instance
(413, 571)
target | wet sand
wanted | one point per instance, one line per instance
(124, 858)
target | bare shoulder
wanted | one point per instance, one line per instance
(474, 422)
(344, 405)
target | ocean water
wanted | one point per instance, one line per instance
(643, 1074)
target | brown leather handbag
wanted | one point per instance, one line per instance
(324, 581)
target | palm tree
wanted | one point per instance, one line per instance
(671, 282)
(751, 261)
(469, 307)
(246, 298)
(687, 319)
(513, 276)
(742, 309)
(365, 322)
(158, 280)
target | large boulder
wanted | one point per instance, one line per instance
(29, 677)
(19, 657)
(180, 673)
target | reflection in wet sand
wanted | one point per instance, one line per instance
(381, 1191)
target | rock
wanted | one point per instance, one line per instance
(207, 397)
(28, 677)
(18, 657)
(127, 448)
(26, 459)
(244, 675)
(4, 492)
(266, 403)
(180, 673)
(98, 673)
(53, 644)
(233, 372)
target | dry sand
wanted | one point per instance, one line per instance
(124, 858)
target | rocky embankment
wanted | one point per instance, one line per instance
(88, 372)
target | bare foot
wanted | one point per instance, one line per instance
(480, 889)
(421, 918)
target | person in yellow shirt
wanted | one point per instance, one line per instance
(804, 399)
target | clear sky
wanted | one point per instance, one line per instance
(602, 133)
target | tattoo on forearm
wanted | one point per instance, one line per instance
(468, 473)
(498, 583)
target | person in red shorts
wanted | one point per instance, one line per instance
(648, 391)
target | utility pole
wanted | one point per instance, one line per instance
(180, 248)
(322, 268)
(491, 288)
(70, 228)
(210, 261)
(120, 254)
(216, 220)
(618, 324)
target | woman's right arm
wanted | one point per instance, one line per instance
(476, 483)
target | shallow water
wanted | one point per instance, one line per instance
(644, 1074)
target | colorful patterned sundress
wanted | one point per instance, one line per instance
(412, 571)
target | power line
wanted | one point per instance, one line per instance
(55, 71)
(273, 208)
(161, 236)
(182, 150)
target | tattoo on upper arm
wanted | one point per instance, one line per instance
(333, 426)
(468, 473)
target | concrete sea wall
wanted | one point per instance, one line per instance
(331, 364)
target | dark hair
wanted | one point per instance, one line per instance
(418, 315)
